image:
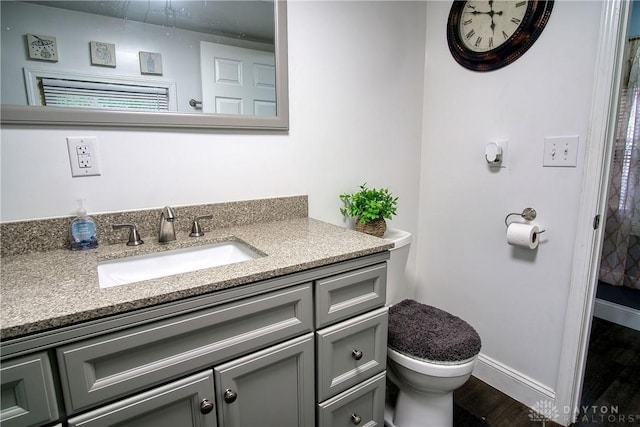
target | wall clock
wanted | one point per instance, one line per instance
(487, 35)
(42, 47)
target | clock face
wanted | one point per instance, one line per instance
(487, 25)
(42, 47)
(487, 35)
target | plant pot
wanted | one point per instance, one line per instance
(376, 227)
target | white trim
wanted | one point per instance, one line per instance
(31, 76)
(616, 313)
(588, 242)
(521, 387)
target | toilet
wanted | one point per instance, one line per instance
(430, 352)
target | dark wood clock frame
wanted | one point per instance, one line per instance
(534, 21)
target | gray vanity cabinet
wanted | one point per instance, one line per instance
(303, 350)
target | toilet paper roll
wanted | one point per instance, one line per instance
(523, 235)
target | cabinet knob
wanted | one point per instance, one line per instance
(356, 419)
(357, 354)
(206, 406)
(230, 396)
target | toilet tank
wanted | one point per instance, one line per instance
(397, 284)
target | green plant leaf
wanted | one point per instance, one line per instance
(369, 204)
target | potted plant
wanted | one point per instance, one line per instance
(370, 207)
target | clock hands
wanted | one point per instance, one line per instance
(491, 13)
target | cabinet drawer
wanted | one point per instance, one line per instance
(113, 365)
(345, 295)
(28, 394)
(351, 351)
(362, 405)
(171, 405)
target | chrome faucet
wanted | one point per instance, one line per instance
(167, 231)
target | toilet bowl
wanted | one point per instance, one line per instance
(430, 352)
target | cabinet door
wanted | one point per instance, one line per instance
(28, 395)
(184, 403)
(270, 388)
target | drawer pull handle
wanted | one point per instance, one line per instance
(357, 354)
(230, 396)
(356, 419)
(206, 406)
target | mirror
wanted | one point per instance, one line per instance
(36, 57)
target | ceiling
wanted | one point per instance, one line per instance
(248, 20)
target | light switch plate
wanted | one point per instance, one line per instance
(83, 155)
(561, 151)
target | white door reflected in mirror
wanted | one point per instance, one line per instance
(237, 81)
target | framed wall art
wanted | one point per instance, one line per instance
(44, 48)
(150, 63)
(103, 54)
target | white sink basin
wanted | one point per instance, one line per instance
(151, 266)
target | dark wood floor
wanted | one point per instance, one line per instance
(612, 376)
(498, 409)
(612, 383)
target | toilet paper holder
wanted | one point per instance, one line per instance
(528, 214)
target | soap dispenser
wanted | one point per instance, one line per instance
(84, 233)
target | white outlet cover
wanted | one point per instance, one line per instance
(83, 156)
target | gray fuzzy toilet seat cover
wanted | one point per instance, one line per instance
(425, 332)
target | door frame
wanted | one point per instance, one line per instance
(588, 243)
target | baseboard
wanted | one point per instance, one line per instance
(616, 313)
(513, 383)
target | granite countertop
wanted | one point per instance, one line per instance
(56, 288)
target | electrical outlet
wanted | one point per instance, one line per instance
(83, 156)
(561, 151)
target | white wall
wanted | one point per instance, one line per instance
(356, 75)
(515, 298)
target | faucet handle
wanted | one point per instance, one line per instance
(134, 236)
(196, 230)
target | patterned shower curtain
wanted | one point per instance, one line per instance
(620, 264)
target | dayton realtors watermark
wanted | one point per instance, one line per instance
(545, 410)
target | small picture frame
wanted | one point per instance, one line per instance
(103, 54)
(44, 48)
(150, 63)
